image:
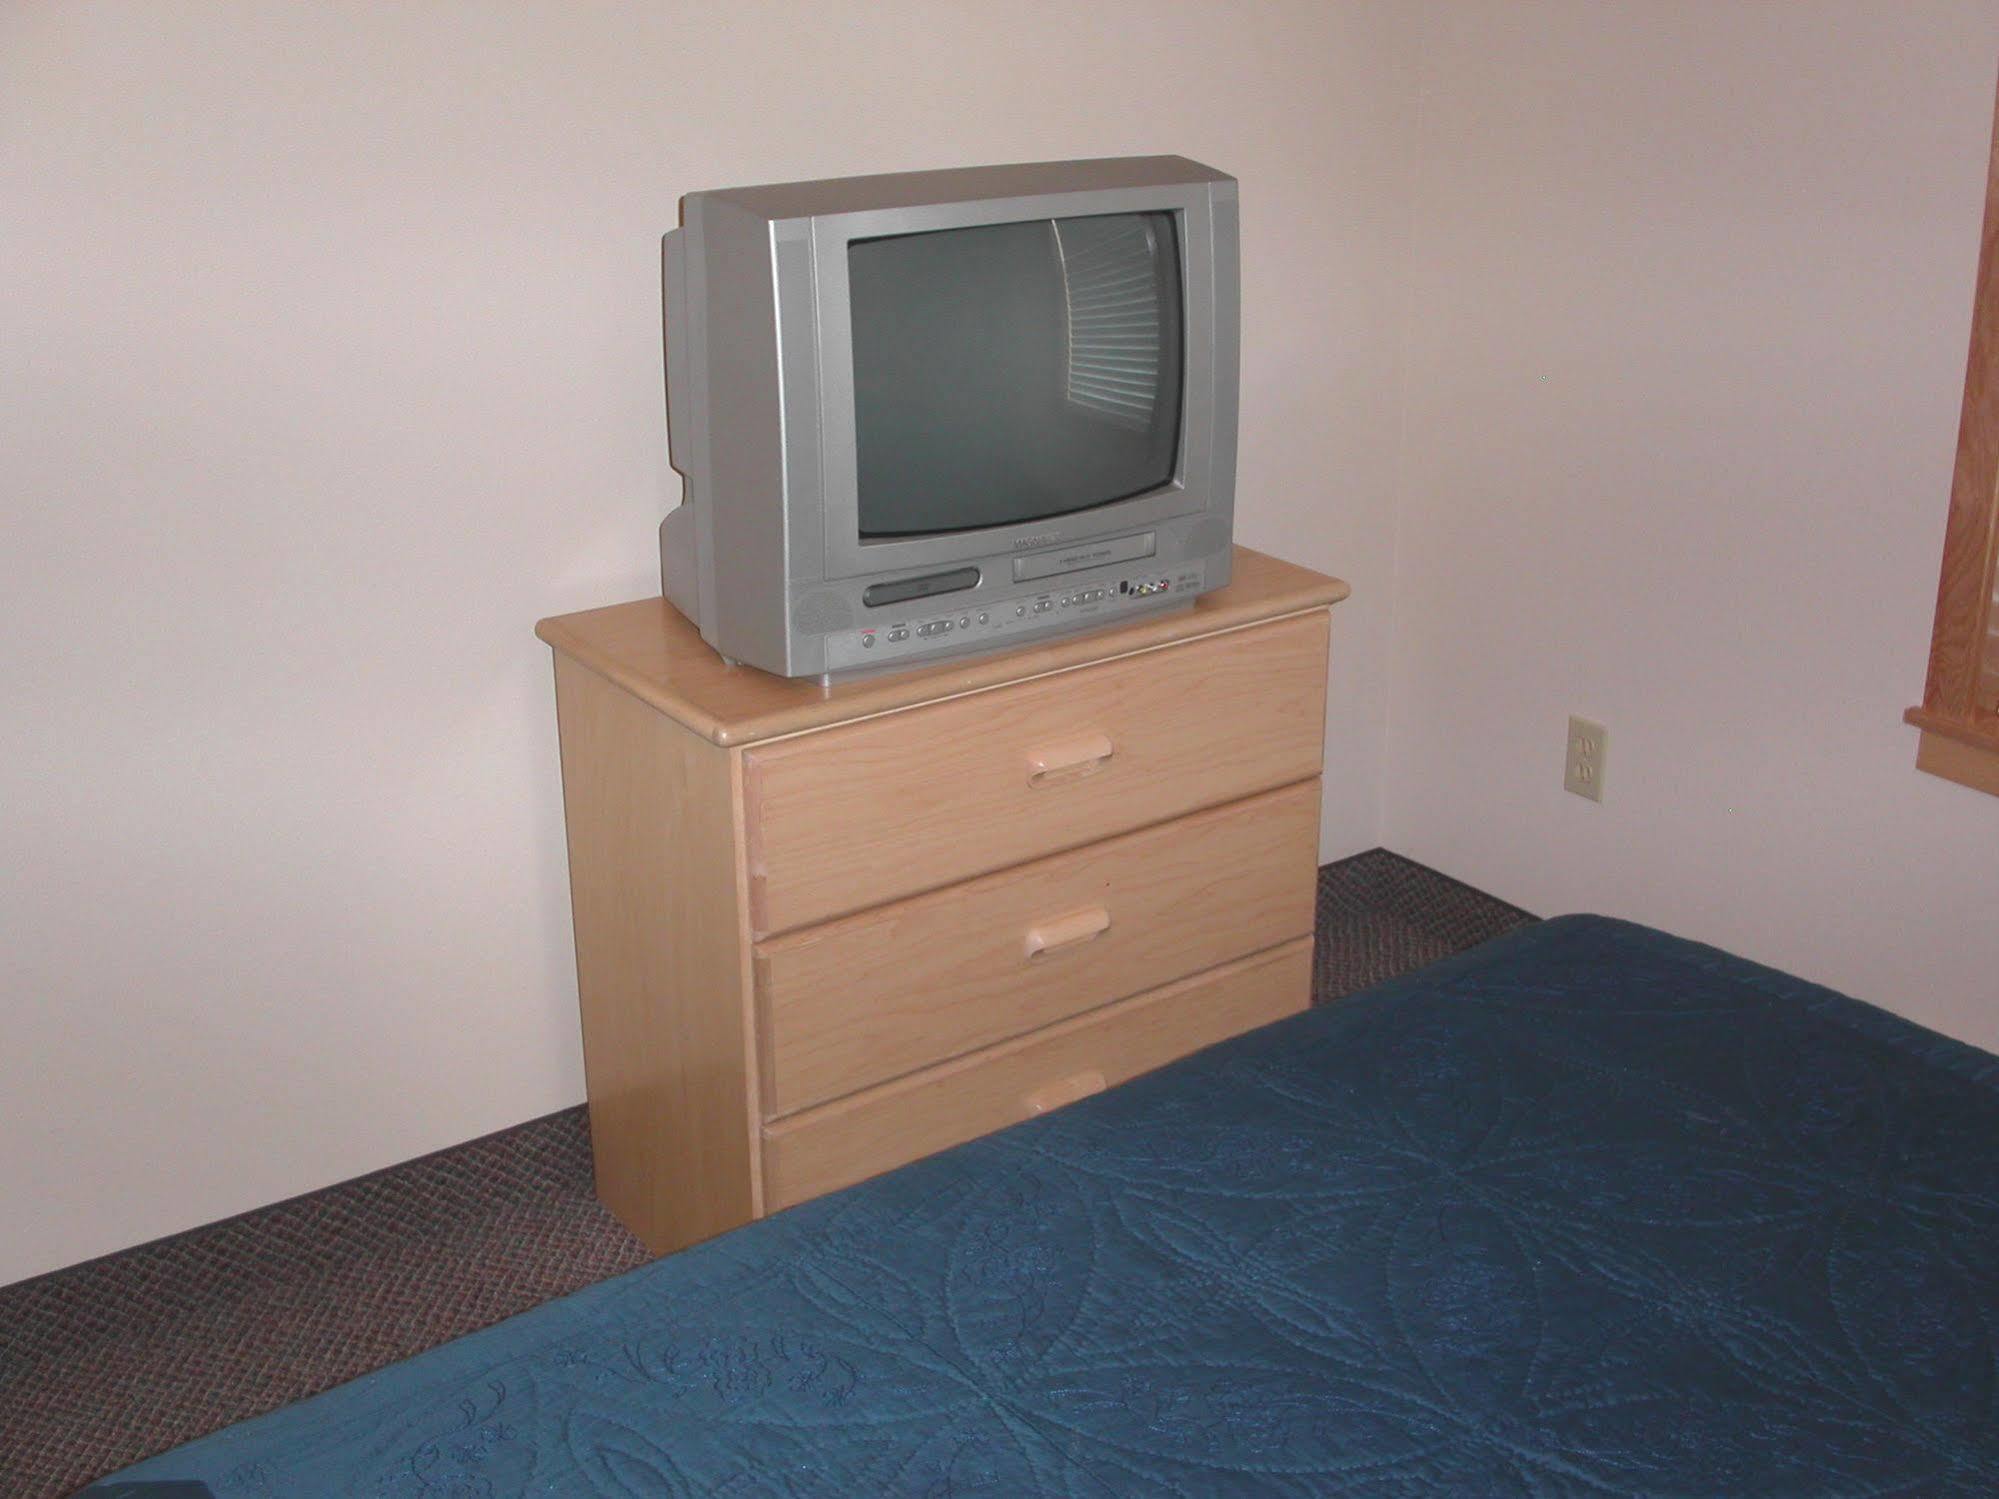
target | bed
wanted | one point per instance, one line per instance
(1588, 1210)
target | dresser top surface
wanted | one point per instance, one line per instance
(654, 652)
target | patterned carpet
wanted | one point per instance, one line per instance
(107, 1362)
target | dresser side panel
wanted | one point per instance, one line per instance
(656, 887)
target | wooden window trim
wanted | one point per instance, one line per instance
(1960, 735)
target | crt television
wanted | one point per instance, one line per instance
(932, 412)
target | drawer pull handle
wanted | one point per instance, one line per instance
(1064, 1090)
(1067, 931)
(1070, 760)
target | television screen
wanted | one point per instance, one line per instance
(1010, 372)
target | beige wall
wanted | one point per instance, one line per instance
(1689, 298)
(332, 362)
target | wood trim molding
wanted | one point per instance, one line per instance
(1959, 729)
(1978, 733)
(1970, 765)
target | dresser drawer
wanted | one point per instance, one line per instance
(874, 811)
(898, 987)
(871, 1132)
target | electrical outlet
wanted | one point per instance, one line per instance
(1588, 743)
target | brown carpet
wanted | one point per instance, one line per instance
(105, 1363)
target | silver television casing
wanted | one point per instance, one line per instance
(765, 553)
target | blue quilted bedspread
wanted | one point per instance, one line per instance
(1588, 1211)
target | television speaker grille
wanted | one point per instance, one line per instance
(825, 612)
(1207, 537)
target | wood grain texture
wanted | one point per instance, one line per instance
(867, 1133)
(903, 986)
(652, 651)
(1973, 765)
(882, 809)
(655, 886)
(1978, 733)
(901, 786)
(1988, 676)
(1971, 532)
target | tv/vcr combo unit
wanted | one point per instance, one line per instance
(942, 411)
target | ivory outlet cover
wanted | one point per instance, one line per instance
(1583, 774)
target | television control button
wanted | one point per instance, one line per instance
(898, 634)
(982, 616)
(867, 642)
(1019, 610)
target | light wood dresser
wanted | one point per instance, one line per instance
(822, 931)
